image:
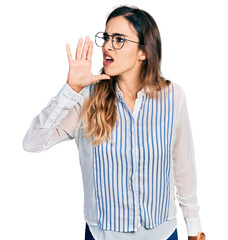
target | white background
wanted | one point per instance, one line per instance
(41, 194)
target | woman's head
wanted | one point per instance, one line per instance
(144, 57)
(128, 57)
(140, 27)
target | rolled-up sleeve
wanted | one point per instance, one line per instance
(184, 168)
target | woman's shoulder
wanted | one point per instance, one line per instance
(179, 97)
(178, 91)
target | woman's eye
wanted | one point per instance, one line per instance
(119, 39)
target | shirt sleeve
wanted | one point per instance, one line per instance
(185, 169)
(57, 122)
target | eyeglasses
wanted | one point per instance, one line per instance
(118, 40)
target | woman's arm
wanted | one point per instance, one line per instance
(57, 122)
(184, 167)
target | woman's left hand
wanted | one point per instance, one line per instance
(200, 236)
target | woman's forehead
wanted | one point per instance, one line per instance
(118, 25)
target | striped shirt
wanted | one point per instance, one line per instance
(129, 182)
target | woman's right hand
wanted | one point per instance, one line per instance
(79, 74)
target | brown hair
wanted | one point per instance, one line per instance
(99, 112)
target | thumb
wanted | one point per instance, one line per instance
(101, 77)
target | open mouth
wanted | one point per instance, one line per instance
(107, 60)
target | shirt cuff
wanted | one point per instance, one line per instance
(69, 93)
(66, 99)
(193, 226)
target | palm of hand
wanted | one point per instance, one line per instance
(79, 74)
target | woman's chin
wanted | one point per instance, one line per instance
(110, 73)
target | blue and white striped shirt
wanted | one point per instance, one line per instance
(132, 177)
(130, 183)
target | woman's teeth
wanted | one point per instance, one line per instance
(109, 59)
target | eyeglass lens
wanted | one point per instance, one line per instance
(102, 38)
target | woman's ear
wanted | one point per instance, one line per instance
(142, 58)
(142, 55)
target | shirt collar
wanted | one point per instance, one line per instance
(120, 94)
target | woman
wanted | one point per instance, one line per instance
(132, 131)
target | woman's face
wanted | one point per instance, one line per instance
(126, 59)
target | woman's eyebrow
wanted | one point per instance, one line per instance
(118, 34)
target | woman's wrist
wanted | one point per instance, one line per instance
(75, 88)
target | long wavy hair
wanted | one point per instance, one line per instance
(99, 112)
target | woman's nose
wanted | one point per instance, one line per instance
(108, 44)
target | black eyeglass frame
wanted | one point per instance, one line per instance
(113, 35)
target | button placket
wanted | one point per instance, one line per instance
(131, 153)
(134, 160)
